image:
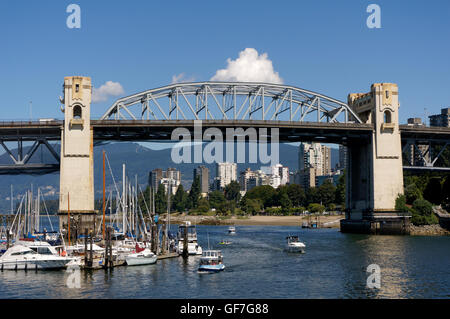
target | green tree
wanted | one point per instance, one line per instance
(296, 195)
(327, 192)
(161, 200)
(285, 202)
(194, 193)
(224, 208)
(422, 213)
(203, 205)
(331, 207)
(316, 208)
(233, 191)
(251, 206)
(216, 198)
(265, 193)
(312, 195)
(339, 195)
(400, 203)
(412, 192)
(179, 200)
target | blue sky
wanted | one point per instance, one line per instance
(324, 46)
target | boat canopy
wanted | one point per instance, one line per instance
(211, 253)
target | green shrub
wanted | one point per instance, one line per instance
(422, 213)
(400, 203)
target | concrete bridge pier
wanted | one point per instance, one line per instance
(374, 168)
(77, 163)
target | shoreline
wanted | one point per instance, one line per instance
(325, 221)
(328, 221)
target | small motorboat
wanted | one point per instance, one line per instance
(225, 242)
(294, 245)
(21, 257)
(142, 256)
(211, 261)
(231, 230)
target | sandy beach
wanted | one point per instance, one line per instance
(325, 221)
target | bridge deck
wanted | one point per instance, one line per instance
(161, 129)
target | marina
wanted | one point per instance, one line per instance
(333, 267)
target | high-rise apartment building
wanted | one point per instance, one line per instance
(169, 178)
(203, 173)
(225, 174)
(314, 160)
(342, 157)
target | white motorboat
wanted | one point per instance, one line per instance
(21, 257)
(211, 261)
(141, 257)
(231, 230)
(294, 245)
(193, 246)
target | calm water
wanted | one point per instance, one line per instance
(334, 266)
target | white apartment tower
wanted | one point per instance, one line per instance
(225, 174)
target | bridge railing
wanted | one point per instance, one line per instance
(24, 123)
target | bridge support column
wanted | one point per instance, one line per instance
(77, 165)
(374, 169)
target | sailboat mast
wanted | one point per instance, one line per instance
(104, 195)
(124, 226)
(12, 200)
(136, 206)
(38, 213)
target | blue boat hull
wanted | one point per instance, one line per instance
(211, 268)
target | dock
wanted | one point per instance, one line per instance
(168, 255)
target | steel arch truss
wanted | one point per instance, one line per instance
(424, 154)
(231, 101)
(21, 162)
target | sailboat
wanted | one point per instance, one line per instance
(142, 256)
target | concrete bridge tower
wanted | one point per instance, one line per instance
(77, 166)
(375, 174)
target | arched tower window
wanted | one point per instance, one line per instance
(77, 112)
(387, 117)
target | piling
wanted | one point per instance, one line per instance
(185, 243)
(85, 247)
(163, 246)
(91, 258)
(108, 250)
(154, 234)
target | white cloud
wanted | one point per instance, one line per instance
(107, 90)
(249, 67)
(181, 78)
